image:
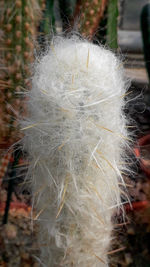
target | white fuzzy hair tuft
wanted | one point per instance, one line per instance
(75, 135)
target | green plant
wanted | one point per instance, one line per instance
(18, 25)
(98, 18)
(112, 24)
(91, 13)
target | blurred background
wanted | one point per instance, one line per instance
(26, 28)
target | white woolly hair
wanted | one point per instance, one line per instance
(75, 135)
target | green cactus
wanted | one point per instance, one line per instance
(98, 18)
(67, 8)
(18, 30)
(112, 24)
(91, 15)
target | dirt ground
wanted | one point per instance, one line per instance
(17, 240)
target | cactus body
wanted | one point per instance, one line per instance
(75, 135)
(91, 13)
(112, 22)
(18, 30)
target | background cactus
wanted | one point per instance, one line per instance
(112, 22)
(90, 14)
(98, 18)
(18, 25)
(47, 25)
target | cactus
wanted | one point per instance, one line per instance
(91, 20)
(91, 15)
(76, 138)
(112, 22)
(48, 23)
(145, 27)
(67, 8)
(18, 30)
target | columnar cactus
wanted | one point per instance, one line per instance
(18, 24)
(76, 137)
(90, 14)
(112, 24)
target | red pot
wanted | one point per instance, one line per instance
(142, 151)
(136, 206)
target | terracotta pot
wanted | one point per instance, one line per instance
(136, 206)
(142, 151)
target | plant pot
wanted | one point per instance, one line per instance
(142, 151)
(136, 206)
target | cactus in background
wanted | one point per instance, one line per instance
(18, 23)
(112, 22)
(91, 13)
(67, 8)
(48, 22)
(97, 15)
(145, 27)
(76, 138)
(57, 17)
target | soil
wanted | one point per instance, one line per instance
(17, 241)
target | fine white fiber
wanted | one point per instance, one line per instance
(76, 138)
